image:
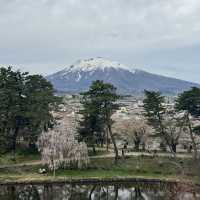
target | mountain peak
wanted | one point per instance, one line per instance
(92, 64)
(79, 76)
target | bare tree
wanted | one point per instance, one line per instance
(138, 131)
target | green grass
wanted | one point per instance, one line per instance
(145, 167)
(21, 157)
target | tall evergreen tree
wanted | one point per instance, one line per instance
(108, 97)
(164, 123)
(40, 101)
(25, 103)
(91, 124)
(189, 101)
(12, 105)
(99, 103)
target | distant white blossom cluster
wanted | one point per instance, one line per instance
(60, 149)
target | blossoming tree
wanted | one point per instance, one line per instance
(60, 149)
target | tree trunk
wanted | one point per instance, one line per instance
(137, 145)
(138, 193)
(123, 153)
(54, 170)
(53, 164)
(163, 146)
(107, 143)
(166, 138)
(192, 138)
(143, 146)
(12, 192)
(174, 147)
(93, 148)
(101, 142)
(114, 143)
(14, 139)
(91, 192)
(116, 192)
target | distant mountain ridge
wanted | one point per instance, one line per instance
(79, 76)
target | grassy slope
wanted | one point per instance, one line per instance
(145, 167)
(21, 157)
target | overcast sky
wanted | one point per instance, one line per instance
(160, 36)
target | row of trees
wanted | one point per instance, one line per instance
(99, 103)
(170, 124)
(27, 107)
(26, 104)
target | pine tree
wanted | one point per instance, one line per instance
(99, 103)
(166, 125)
(189, 102)
(26, 102)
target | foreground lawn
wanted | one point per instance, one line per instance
(21, 157)
(135, 167)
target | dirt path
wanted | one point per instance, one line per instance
(30, 163)
(109, 155)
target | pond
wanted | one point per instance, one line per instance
(141, 190)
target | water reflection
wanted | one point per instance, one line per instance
(129, 191)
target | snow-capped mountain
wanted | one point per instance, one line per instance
(79, 76)
(94, 64)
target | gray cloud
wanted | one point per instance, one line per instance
(43, 36)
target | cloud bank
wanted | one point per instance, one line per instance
(159, 36)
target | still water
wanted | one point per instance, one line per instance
(97, 191)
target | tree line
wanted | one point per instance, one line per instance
(100, 102)
(26, 102)
(170, 124)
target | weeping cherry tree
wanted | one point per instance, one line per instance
(60, 149)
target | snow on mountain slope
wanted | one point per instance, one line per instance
(93, 64)
(79, 76)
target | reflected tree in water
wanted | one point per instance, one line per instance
(19, 193)
(138, 191)
(28, 193)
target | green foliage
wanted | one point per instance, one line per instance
(91, 125)
(26, 102)
(196, 130)
(162, 120)
(12, 104)
(98, 106)
(190, 101)
(154, 109)
(40, 102)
